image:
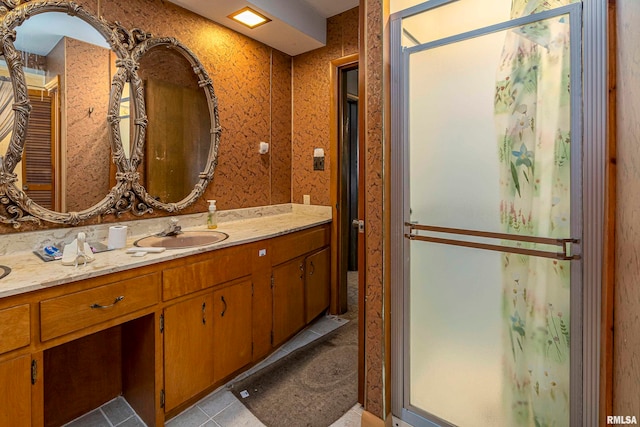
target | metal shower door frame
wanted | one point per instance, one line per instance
(588, 122)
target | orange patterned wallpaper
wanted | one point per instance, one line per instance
(311, 104)
(87, 86)
(376, 328)
(280, 128)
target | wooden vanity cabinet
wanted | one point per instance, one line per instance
(71, 312)
(301, 280)
(189, 344)
(232, 328)
(15, 392)
(203, 271)
(15, 327)
(262, 300)
(206, 336)
(288, 299)
(164, 334)
(317, 283)
(15, 373)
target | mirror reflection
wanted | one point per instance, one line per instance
(68, 68)
(178, 136)
(6, 103)
(125, 114)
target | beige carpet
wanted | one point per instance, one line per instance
(311, 387)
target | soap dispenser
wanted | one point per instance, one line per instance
(212, 217)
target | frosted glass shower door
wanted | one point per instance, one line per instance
(492, 228)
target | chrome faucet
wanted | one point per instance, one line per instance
(173, 229)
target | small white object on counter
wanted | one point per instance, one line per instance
(117, 237)
(145, 249)
(77, 252)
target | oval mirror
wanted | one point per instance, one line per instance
(6, 115)
(182, 133)
(64, 66)
(69, 66)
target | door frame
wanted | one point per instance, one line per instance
(338, 288)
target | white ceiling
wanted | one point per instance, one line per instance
(329, 8)
(40, 33)
(297, 26)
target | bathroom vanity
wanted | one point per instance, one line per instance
(163, 330)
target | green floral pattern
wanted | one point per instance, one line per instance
(532, 113)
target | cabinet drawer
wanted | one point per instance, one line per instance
(221, 266)
(293, 245)
(72, 312)
(14, 327)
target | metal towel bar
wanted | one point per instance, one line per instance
(563, 244)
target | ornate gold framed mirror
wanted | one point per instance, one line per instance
(111, 93)
(179, 153)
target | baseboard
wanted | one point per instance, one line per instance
(397, 422)
(370, 420)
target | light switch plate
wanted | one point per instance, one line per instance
(318, 163)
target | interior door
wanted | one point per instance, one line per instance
(39, 156)
(491, 180)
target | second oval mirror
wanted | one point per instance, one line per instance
(178, 134)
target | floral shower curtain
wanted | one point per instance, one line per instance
(532, 114)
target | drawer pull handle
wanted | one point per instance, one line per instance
(204, 314)
(301, 271)
(115, 301)
(224, 310)
(313, 268)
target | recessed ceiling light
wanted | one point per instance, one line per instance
(249, 17)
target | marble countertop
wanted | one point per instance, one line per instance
(29, 273)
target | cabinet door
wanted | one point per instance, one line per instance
(288, 299)
(317, 283)
(188, 349)
(232, 328)
(15, 392)
(262, 301)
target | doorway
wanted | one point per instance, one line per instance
(347, 234)
(349, 183)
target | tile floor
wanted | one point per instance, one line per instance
(221, 408)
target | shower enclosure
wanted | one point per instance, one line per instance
(488, 241)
